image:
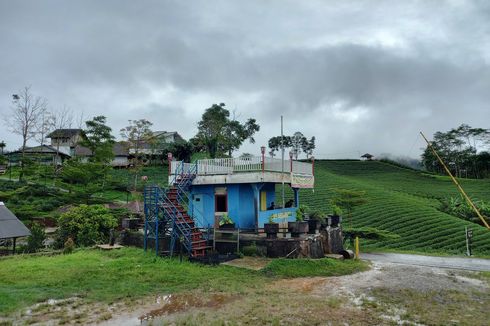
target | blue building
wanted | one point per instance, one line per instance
(244, 189)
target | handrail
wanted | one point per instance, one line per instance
(237, 165)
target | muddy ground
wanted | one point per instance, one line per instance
(387, 294)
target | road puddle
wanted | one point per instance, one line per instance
(174, 303)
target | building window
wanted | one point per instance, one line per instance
(221, 203)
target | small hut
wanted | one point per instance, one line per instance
(11, 227)
(368, 157)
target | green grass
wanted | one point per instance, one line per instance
(283, 267)
(129, 273)
(402, 201)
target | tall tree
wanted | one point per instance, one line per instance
(99, 139)
(297, 143)
(2, 146)
(27, 110)
(137, 134)
(44, 126)
(276, 143)
(309, 146)
(221, 135)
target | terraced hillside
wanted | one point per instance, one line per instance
(402, 201)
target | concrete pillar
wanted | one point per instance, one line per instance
(296, 197)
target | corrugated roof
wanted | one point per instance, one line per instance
(10, 225)
(64, 133)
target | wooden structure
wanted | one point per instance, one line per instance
(11, 227)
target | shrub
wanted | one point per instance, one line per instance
(36, 239)
(68, 246)
(86, 225)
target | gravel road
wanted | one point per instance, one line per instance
(471, 264)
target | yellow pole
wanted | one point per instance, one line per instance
(468, 199)
(357, 247)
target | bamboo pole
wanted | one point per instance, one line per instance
(468, 199)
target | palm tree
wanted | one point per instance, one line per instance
(2, 146)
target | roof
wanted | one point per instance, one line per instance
(64, 133)
(44, 149)
(119, 149)
(167, 134)
(367, 155)
(10, 225)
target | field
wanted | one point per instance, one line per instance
(402, 201)
(129, 273)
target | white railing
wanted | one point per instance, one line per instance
(237, 165)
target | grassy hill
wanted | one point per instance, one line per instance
(402, 201)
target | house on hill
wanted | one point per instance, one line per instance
(11, 227)
(44, 154)
(119, 149)
(157, 143)
(367, 157)
(65, 140)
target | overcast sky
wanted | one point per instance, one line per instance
(362, 76)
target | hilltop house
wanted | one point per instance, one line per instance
(155, 145)
(65, 140)
(367, 157)
(44, 154)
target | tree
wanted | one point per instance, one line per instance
(221, 135)
(137, 134)
(98, 138)
(85, 225)
(462, 150)
(347, 200)
(27, 110)
(84, 179)
(309, 146)
(44, 126)
(2, 147)
(276, 143)
(36, 240)
(297, 143)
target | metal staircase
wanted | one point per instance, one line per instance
(166, 214)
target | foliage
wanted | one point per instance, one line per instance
(459, 207)
(317, 215)
(251, 250)
(182, 150)
(36, 240)
(348, 199)
(464, 150)
(301, 212)
(68, 246)
(86, 225)
(84, 179)
(313, 267)
(98, 138)
(368, 233)
(219, 134)
(336, 210)
(225, 219)
(297, 143)
(401, 201)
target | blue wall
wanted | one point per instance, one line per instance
(241, 208)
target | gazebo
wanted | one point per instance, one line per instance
(10, 226)
(367, 157)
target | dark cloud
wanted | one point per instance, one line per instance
(359, 76)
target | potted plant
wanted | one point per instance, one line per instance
(314, 221)
(300, 226)
(226, 223)
(271, 228)
(335, 218)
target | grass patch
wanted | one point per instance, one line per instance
(100, 276)
(283, 267)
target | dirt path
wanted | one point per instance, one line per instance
(387, 294)
(471, 264)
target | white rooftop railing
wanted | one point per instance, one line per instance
(237, 165)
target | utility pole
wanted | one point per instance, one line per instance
(282, 161)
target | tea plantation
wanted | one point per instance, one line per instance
(402, 201)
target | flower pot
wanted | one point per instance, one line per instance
(313, 226)
(297, 228)
(270, 228)
(227, 226)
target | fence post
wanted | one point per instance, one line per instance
(169, 158)
(357, 247)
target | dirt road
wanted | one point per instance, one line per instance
(470, 264)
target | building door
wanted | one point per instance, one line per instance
(220, 204)
(198, 210)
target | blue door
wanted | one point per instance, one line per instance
(198, 210)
